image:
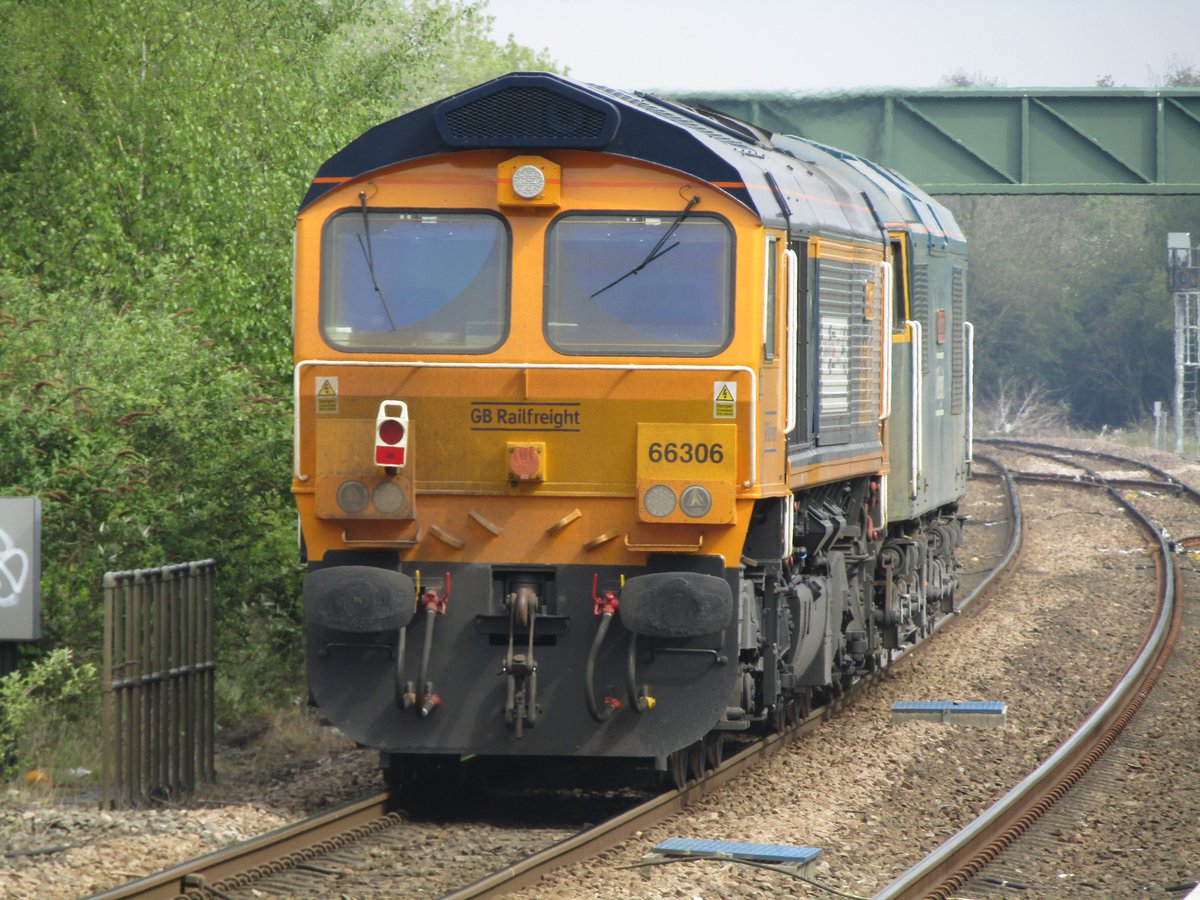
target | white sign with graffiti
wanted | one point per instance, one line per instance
(14, 570)
(20, 568)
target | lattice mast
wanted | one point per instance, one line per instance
(1183, 280)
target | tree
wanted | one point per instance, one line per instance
(1070, 293)
(961, 78)
(1181, 74)
(153, 154)
(151, 159)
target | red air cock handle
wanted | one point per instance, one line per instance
(608, 604)
(431, 600)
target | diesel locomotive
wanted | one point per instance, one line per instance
(620, 425)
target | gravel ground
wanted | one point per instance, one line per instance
(876, 797)
(58, 843)
(873, 795)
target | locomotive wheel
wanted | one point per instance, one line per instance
(804, 703)
(787, 713)
(689, 764)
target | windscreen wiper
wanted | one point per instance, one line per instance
(370, 257)
(658, 249)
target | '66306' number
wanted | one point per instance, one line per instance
(686, 452)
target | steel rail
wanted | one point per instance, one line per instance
(1170, 482)
(589, 843)
(275, 849)
(1015, 532)
(950, 866)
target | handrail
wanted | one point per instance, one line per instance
(885, 382)
(969, 333)
(793, 295)
(918, 421)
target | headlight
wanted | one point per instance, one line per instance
(352, 497)
(660, 501)
(388, 497)
(528, 182)
(695, 501)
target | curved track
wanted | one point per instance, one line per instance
(952, 865)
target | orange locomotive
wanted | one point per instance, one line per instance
(619, 425)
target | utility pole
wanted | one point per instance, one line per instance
(1183, 281)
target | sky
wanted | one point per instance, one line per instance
(807, 47)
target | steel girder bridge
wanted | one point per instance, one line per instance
(999, 141)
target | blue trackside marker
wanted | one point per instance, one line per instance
(777, 854)
(980, 713)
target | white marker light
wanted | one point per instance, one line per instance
(388, 497)
(352, 497)
(660, 501)
(528, 182)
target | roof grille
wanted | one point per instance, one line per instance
(527, 116)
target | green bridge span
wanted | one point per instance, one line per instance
(999, 141)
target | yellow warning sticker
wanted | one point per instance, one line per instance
(724, 399)
(327, 394)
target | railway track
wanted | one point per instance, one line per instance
(962, 862)
(297, 859)
(300, 859)
(311, 857)
(965, 866)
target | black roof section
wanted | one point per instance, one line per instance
(785, 180)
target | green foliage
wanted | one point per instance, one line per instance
(41, 701)
(1070, 293)
(961, 78)
(153, 154)
(147, 447)
(1181, 74)
(468, 57)
(151, 159)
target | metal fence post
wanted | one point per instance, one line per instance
(108, 704)
(210, 673)
(158, 682)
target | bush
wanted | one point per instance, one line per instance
(147, 446)
(42, 704)
(1021, 408)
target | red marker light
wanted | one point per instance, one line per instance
(391, 431)
(391, 434)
